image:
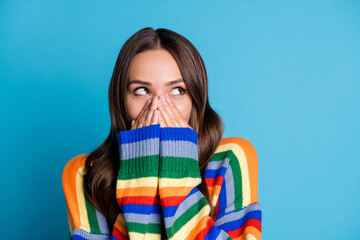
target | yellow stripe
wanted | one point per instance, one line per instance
(138, 182)
(182, 182)
(214, 200)
(186, 229)
(247, 237)
(240, 154)
(81, 200)
(147, 236)
(250, 237)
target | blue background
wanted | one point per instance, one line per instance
(285, 76)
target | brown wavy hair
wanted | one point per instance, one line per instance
(102, 164)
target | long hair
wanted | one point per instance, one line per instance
(102, 164)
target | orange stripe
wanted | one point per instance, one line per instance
(214, 185)
(199, 227)
(69, 187)
(121, 226)
(250, 230)
(252, 161)
(174, 191)
(138, 191)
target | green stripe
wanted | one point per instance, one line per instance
(186, 217)
(144, 228)
(91, 213)
(237, 177)
(145, 166)
(179, 167)
(219, 156)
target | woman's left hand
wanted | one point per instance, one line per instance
(170, 116)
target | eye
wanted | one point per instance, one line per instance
(180, 89)
(144, 91)
(139, 91)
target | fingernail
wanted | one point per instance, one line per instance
(149, 101)
(163, 98)
(160, 102)
(168, 99)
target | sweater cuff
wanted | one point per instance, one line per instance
(178, 152)
(139, 150)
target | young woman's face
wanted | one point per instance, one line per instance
(154, 73)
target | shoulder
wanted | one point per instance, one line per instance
(72, 170)
(242, 148)
(237, 158)
(239, 148)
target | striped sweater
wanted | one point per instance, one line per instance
(157, 188)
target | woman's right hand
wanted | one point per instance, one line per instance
(149, 115)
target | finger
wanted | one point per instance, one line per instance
(142, 116)
(161, 120)
(166, 113)
(132, 124)
(180, 119)
(136, 122)
(155, 117)
(172, 112)
(150, 113)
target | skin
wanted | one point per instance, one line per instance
(152, 101)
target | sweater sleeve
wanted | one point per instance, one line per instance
(185, 209)
(137, 183)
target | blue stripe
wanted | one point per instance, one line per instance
(213, 173)
(77, 237)
(213, 233)
(141, 209)
(222, 197)
(138, 134)
(236, 224)
(178, 133)
(169, 211)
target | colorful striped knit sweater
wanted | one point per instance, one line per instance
(157, 184)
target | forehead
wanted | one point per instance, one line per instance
(154, 66)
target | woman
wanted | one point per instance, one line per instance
(164, 171)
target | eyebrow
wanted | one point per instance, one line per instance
(170, 83)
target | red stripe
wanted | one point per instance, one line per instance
(256, 223)
(238, 232)
(214, 181)
(205, 231)
(118, 235)
(171, 201)
(140, 200)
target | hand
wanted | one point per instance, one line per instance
(170, 116)
(149, 115)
